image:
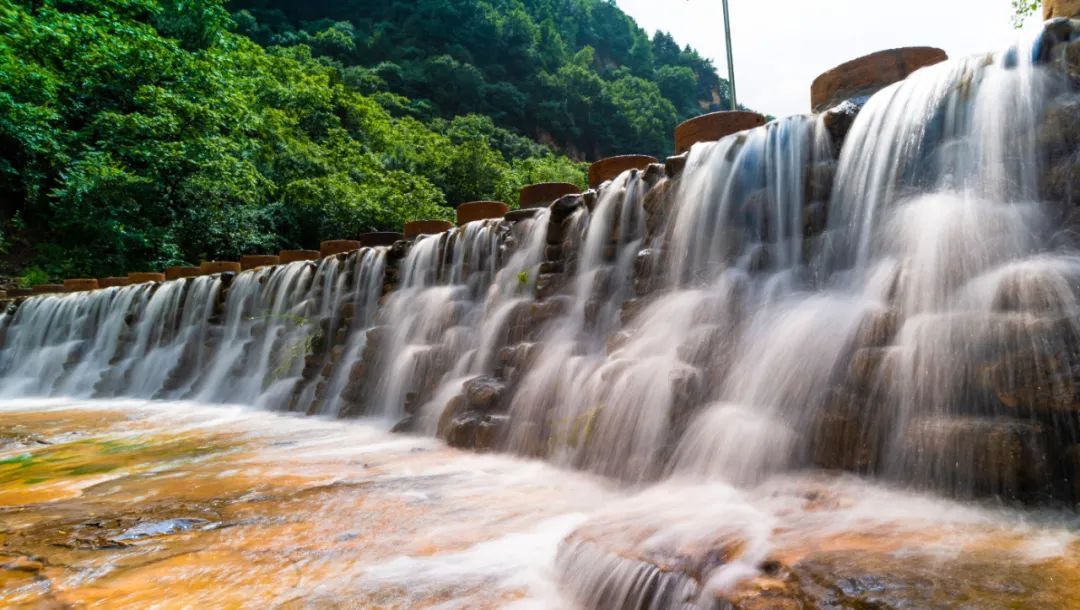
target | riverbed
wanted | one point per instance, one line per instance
(136, 504)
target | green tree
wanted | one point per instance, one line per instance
(1022, 9)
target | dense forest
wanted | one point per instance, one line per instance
(579, 73)
(136, 134)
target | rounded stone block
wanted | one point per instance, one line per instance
(417, 228)
(382, 238)
(541, 195)
(80, 284)
(480, 210)
(869, 74)
(609, 168)
(176, 273)
(713, 126)
(48, 288)
(113, 282)
(291, 256)
(337, 246)
(212, 267)
(516, 215)
(1061, 8)
(141, 277)
(250, 261)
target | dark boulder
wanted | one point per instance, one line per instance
(483, 392)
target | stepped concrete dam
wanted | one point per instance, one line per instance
(827, 360)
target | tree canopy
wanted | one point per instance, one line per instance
(137, 134)
(577, 73)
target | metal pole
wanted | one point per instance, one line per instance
(730, 59)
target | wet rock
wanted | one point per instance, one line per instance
(838, 121)
(588, 198)
(552, 267)
(1061, 181)
(756, 210)
(819, 180)
(654, 173)
(647, 262)
(1070, 62)
(870, 577)
(815, 218)
(516, 358)
(1035, 380)
(674, 165)
(563, 207)
(405, 424)
(816, 556)
(632, 307)
(472, 430)
(152, 529)
(657, 204)
(872, 368)
(1043, 292)
(519, 324)
(548, 284)
(357, 371)
(758, 259)
(878, 328)
(976, 455)
(844, 437)
(553, 252)
(617, 340)
(490, 430)
(376, 334)
(23, 564)
(1059, 134)
(454, 408)
(398, 251)
(703, 346)
(483, 392)
(461, 430)
(686, 384)
(557, 232)
(598, 578)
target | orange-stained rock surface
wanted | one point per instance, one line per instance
(819, 542)
(176, 505)
(139, 508)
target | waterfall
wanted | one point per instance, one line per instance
(898, 301)
(560, 399)
(244, 339)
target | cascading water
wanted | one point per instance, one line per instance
(179, 340)
(426, 320)
(898, 302)
(938, 187)
(483, 328)
(560, 399)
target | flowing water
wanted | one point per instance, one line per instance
(901, 306)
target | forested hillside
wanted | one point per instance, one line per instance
(578, 73)
(143, 133)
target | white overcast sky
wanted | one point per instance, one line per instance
(780, 46)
